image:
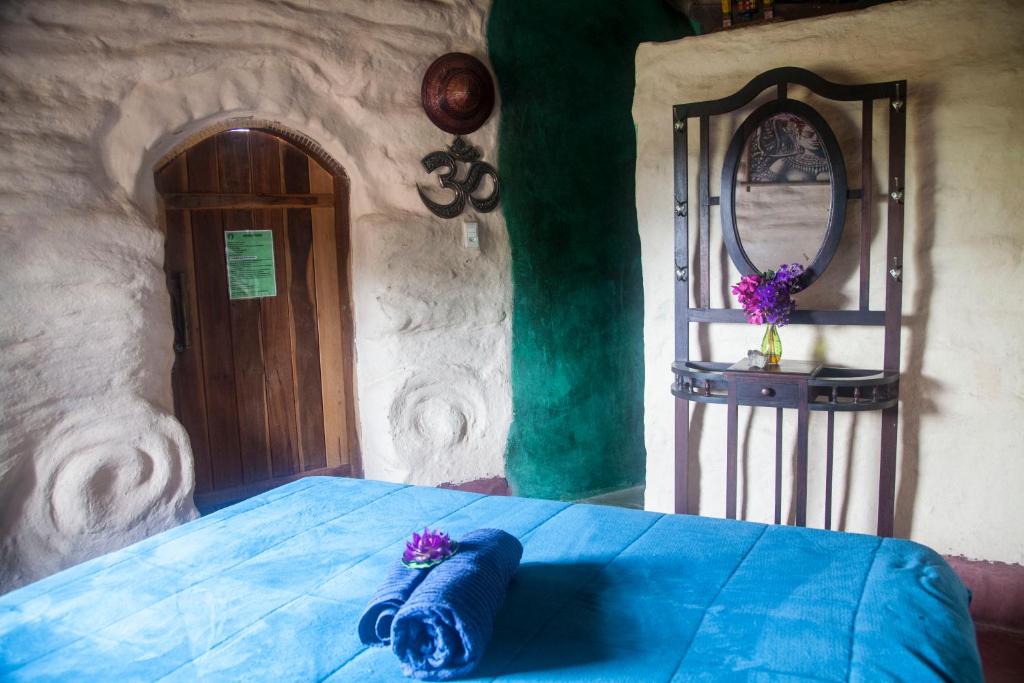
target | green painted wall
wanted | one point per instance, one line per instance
(567, 156)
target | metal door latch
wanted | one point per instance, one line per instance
(179, 312)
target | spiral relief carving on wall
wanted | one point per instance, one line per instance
(437, 414)
(104, 478)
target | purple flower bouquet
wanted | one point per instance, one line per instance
(767, 299)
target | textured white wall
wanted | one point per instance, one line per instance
(94, 93)
(962, 407)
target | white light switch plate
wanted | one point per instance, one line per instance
(471, 235)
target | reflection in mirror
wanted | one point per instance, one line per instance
(783, 193)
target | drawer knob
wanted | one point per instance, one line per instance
(767, 391)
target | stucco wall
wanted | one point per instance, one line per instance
(94, 93)
(962, 406)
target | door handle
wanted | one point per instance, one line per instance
(179, 312)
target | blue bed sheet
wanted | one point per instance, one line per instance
(271, 590)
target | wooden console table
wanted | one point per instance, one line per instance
(779, 386)
(805, 386)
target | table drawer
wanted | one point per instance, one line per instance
(767, 392)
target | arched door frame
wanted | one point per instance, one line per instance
(341, 189)
(295, 137)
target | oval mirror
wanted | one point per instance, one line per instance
(783, 191)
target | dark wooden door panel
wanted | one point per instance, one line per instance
(277, 336)
(302, 297)
(233, 164)
(329, 313)
(295, 169)
(277, 340)
(214, 321)
(187, 377)
(350, 439)
(264, 389)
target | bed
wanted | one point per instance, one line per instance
(271, 589)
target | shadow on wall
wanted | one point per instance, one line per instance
(916, 389)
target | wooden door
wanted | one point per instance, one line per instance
(262, 385)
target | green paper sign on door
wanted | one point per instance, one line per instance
(250, 255)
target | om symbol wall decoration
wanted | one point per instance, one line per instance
(458, 96)
(461, 151)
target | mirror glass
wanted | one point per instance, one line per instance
(783, 192)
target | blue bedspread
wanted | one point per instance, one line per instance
(271, 590)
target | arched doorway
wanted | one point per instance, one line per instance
(257, 267)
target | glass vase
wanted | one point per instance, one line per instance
(771, 344)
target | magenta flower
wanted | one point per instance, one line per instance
(767, 297)
(428, 549)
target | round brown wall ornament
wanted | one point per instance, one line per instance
(458, 93)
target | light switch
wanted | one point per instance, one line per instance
(471, 235)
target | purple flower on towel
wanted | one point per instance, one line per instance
(428, 549)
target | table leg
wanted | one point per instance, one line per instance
(778, 465)
(801, 457)
(730, 456)
(682, 479)
(887, 473)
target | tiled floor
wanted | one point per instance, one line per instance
(1002, 654)
(632, 497)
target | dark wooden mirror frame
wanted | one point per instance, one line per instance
(837, 209)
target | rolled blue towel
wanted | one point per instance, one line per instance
(443, 628)
(399, 584)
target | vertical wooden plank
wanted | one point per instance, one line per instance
(893, 303)
(341, 231)
(234, 170)
(829, 458)
(704, 183)
(887, 473)
(894, 237)
(214, 320)
(277, 335)
(306, 352)
(730, 453)
(682, 470)
(295, 169)
(276, 314)
(682, 306)
(328, 313)
(801, 456)
(867, 183)
(187, 374)
(302, 297)
(680, 154)
(778, 465)
(172, 178)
